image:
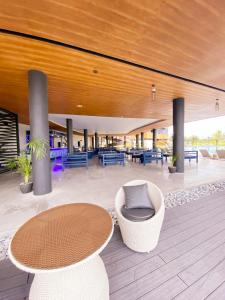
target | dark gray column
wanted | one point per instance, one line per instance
(125, 141)
(137, 141)
(85, 140)
(93, 142)
(154, 139)
(38, 108)
(107, 140)
(96, 140)
(142, 139)
(178, 133)
(112, 140)
(69, 130)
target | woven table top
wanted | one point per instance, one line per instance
(61, 236)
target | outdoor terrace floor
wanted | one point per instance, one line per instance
(97, 185)
(188, 263)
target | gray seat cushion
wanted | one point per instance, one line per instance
(137, 214)
(137, 196)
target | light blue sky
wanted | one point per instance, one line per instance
(204, 128)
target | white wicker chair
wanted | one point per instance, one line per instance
(141, 236)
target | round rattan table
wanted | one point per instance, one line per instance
(61, 247)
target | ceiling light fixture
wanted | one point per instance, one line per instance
(79, 105)
(153, 92)
(217, 105)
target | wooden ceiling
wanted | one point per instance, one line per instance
(58, 127)
(184, 38)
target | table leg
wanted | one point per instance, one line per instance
(86, 281)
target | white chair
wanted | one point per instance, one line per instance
(141, 236)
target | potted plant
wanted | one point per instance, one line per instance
(172, 168)
(25, 169)
(23, 163)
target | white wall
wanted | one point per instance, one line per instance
(22, 135)
(77, 138)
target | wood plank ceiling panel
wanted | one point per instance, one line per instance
(186, 38)
(116, 89)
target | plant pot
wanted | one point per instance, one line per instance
(172, 169)
(26, 187)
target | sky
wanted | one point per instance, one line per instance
(204, 128)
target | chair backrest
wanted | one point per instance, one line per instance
(153, 154)
(220, 153)
(204, 153)
(155, 194)
(115, 155)
(77, 156)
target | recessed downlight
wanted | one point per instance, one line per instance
(79, 105)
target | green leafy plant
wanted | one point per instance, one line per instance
(12, 164)
(23, 163)
(38, 147)
(173, 159)
(24, 166)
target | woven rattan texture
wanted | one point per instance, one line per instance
(61, 236)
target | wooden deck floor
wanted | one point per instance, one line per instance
(188, 263)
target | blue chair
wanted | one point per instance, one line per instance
(191, 155)
(112, 159)
(149, 156)
(79, 159)
(90, 154)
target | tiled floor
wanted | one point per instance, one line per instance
(188, 263)
(96, 185)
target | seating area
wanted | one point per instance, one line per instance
(219, 154)
(189, 255)
(112, 150)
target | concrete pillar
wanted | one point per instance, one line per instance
(85, 140)
(142, 139)
(178, 133)
(125, 141)
(39, 128)
(154, 139)
(137, 141)
(69, 130)
(96, 140)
